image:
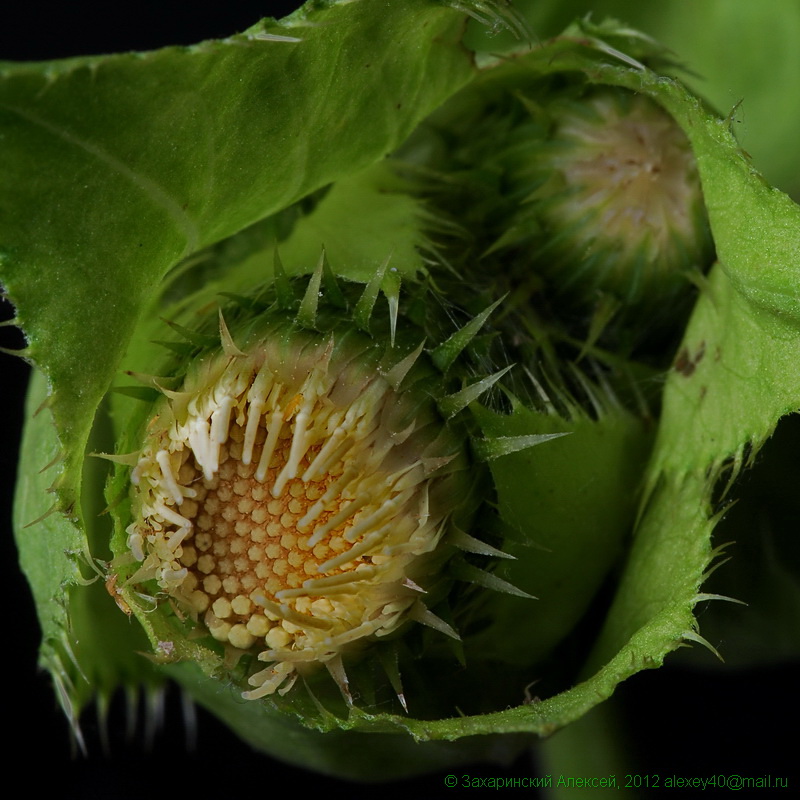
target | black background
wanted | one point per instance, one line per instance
(679, 721)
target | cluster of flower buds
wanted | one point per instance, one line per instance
(328, 494)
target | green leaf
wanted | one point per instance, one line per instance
(364, 219)
(573, 502)
(88, 646)
(50, 548)
(389, 753)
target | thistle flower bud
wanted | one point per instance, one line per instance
(610, 200)
(583, 202)
(292, 498)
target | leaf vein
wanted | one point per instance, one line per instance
(148, 186)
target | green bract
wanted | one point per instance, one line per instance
(372, 378)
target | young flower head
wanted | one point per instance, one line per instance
(586, 199)
(292, 498)
(611, 199)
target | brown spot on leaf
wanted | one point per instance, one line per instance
(685, 363)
